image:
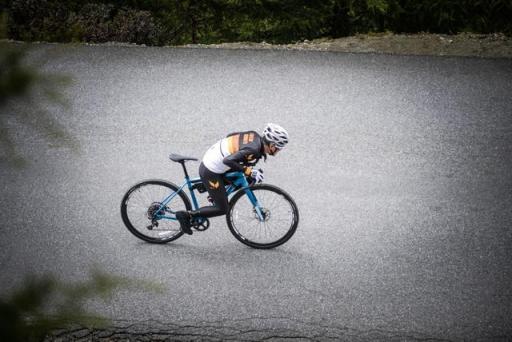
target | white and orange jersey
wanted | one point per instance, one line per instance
(234, 152)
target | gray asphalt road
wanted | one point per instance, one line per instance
(400, 166)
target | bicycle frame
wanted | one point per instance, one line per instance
(238, 182)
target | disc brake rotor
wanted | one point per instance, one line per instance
(265, 212)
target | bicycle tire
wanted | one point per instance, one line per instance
(139, 232)
(294, 222)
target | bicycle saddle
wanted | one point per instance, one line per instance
(179, 159)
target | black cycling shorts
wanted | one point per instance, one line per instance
(214, 184)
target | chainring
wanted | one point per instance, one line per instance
(201, 225)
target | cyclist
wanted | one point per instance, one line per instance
(239, 151)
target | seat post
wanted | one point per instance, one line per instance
(185, 169)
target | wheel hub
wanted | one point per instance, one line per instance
(265, 213)
(153, 210)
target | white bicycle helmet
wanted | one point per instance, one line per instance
(276, 134)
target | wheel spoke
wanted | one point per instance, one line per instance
(279, 218)
(143, 203)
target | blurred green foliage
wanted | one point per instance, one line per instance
(24, 93)
(44, 304)
(159, 22)
(15, 78)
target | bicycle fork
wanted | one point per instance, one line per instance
(239, 180)
(256, 205)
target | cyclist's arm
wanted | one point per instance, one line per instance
(234, 160)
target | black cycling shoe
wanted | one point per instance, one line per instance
(184, 218)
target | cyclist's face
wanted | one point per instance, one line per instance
(273, 150)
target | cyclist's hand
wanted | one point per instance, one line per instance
(257, 175)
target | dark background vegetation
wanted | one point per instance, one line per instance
(164, 22)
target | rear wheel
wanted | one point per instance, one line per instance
(144, 216)
(280, 213)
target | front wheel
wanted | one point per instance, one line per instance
(280, 217)
(147, 218)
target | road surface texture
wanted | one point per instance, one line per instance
(400, 166)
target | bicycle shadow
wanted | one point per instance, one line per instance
(232, 254)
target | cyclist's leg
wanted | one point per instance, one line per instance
(214, 183)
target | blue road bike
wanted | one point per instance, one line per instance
(259, 215)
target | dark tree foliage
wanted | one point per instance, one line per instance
(158, 22)
(44, 304)
(452, 16)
